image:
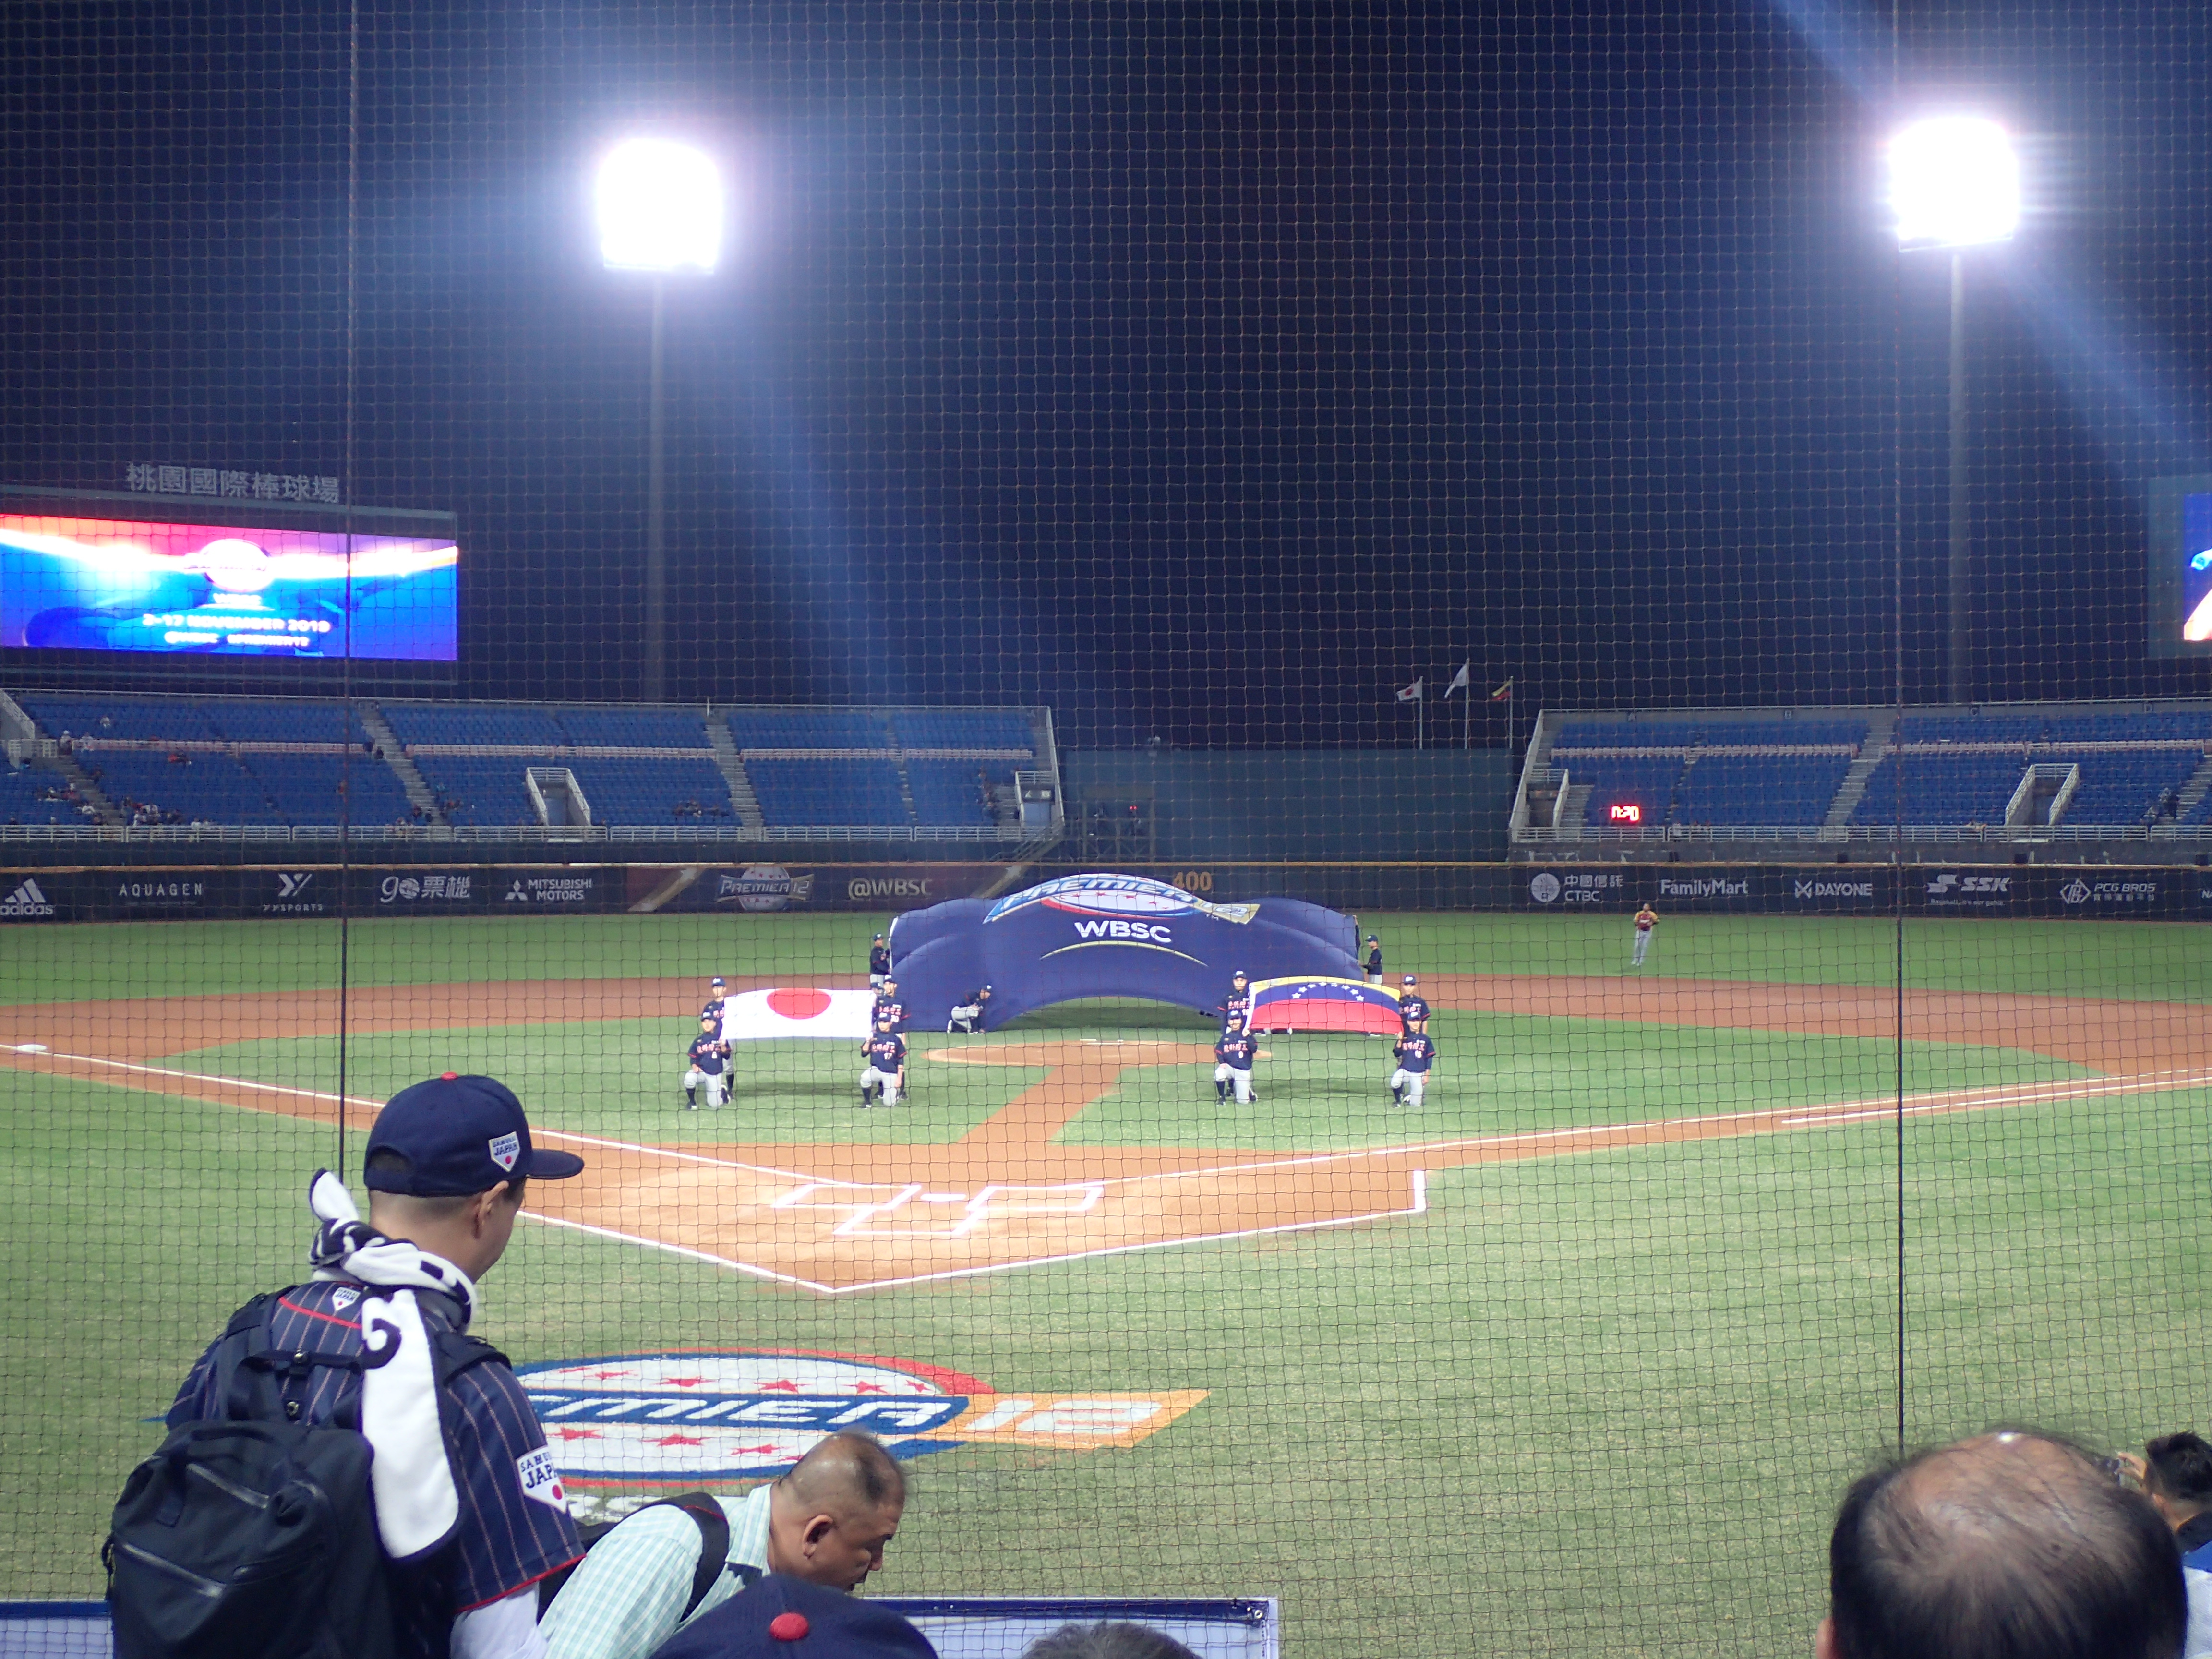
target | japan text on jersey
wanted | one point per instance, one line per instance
(1411, 1008)
(706, 1055)
(1414, 1053)
(1235, 1051)
(887, 1054)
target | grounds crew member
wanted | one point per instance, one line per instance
(445, 1167)
(827, 1520)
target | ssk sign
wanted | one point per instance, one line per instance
(1966, 890)
(687, 1419)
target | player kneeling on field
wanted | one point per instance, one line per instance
(1416, 1052)
(1233, 1056)
(886, 1068)
(709, 1054)
(968, 1014)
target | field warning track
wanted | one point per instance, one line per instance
(836, 1218)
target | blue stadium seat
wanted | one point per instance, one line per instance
(962, 728)
(210, 787)
(820, 792)
(158, 719)
(1955, 789)
(947, 791)
(807, 728)
(1746, 734)
(19, 802)
(508, 726)
(2123, 788)
(639, 792)
(1969, 728)
(1647, 784)
(1763, 790)
(632, 728)
(305, 789)
(1578, 732)
(303, 720)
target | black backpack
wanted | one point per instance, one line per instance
(254, 1536)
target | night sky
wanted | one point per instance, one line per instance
(1201, 371)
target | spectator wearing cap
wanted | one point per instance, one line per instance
(968, 1013)
(825, 1523)
(2013, 1544)
(2176, 1472)
(785, 1618)
(446, 1166)
(1113, 1638)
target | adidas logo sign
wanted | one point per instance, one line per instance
(25, 901)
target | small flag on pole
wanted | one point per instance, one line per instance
(1462, 681)
(1412, 693)
(1503, 692)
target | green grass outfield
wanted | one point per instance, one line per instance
(1601, 1403)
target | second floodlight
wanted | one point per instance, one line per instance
(661, 207)
(1954, 182)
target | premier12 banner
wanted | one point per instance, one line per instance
(1106, 935)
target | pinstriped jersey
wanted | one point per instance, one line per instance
(515, 1526)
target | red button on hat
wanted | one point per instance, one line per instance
(448, 1077)
(788, 1626)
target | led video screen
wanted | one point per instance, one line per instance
(2181, 567)
(83, 584)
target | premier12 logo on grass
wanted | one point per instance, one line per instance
(667, 1420)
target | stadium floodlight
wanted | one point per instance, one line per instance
(660, 210)
(1954, 182)
(661, 207)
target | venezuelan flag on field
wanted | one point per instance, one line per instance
(1324, 1005)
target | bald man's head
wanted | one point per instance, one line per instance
(2009, 1545)
(830, 1519)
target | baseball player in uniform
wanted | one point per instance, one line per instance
(885, 1071)
(708, 1055)
(448, 1166)
(1646, 919)
(888, 1006)
(968, 1013)
(1412, 1007)
(1238, 1005)
(1232, 1068)
(1416, 1052)
(1374, 960)
(717, 993)
(879, 963)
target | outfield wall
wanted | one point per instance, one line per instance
(2098, 892)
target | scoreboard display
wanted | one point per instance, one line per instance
(87, 584)
(2181, 567)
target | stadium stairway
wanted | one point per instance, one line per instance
(1880, 730)
(103, 808)
(395, 757)
(2194, 791)
(743, 801)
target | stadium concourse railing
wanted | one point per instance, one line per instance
(392, 835)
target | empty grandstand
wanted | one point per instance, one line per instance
(1748, 782)
(262, 768)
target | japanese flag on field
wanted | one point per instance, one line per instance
(796, 1013)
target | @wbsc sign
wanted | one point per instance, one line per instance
(685, 1419)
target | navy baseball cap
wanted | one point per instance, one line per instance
(459, 1135)
(1409, 980)
(715, 984)
(779, 1617)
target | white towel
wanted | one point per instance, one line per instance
(417, 1506)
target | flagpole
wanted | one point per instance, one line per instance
(1467, 717)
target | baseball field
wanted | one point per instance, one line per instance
(1648, 1268)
